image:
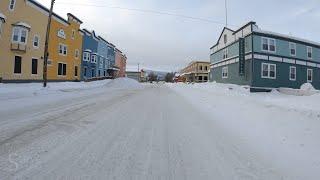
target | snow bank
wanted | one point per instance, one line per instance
(125, 83)
(284, 129)
(306, 90)
(14, 91)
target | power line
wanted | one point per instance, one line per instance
(151, 12)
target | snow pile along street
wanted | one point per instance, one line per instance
(282, 129)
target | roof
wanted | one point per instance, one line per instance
(301, 40)
(22, 24)
(47, 10)
(73, 16)
(278, 35)
(225, 28)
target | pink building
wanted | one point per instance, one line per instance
(121, 63)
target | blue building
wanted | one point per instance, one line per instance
(103, 61)
(112, 70)
(90, 55)
(264, 60)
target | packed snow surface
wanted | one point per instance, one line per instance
(120, 129)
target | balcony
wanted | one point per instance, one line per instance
(19, 47)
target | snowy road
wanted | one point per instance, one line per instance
(148, 133)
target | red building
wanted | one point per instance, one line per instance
(121, 63)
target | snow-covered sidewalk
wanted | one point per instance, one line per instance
(283, 129)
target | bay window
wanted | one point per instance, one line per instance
(19, 35)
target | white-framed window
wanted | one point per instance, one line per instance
(36, 41)
(93, 58)
(12, 4)
(293, 73)
(76, 53)
(62, 69)
(73, 35)
(19, 35)
(309, 52)
(268, 71)
(86, 56)
(309, 75)
(268, 44)
(63, 50)
(225, 53)
(225, 72)
(293, 49)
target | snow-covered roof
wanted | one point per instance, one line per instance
(23, 24)
(3, 17)
(258, 30)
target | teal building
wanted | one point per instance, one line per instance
(264, 60)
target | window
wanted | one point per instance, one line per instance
(104, 73)
(200, 78)
(76, 71)
(309, 75)
(99, 73)
(268, 71)
(200, 68)
(63, 49)
(73, 34)
(225, 53)
(293, 73)
(268, 44)
(309, 52)
(62, 69)
(17, 65)
(36, 41)
(12, 4)
(205, 78)
(93, 59)
(225, 39)
(225, 72)
(86, 56)
(93, 73)
(34, 67)
(76, 53)
(19, 35)
(206, 68)
(293, 49)
(85, 71)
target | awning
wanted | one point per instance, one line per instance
(22, 24)
(3, 17)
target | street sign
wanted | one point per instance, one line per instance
(242, 56)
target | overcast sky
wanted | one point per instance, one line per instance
(169, 42)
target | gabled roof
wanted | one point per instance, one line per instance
(224, 29)
(47, 10)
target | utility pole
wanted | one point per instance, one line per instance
(46, 53)
(226, 7)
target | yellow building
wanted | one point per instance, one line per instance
(22, 36)
(65, 49)
(196, 71)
